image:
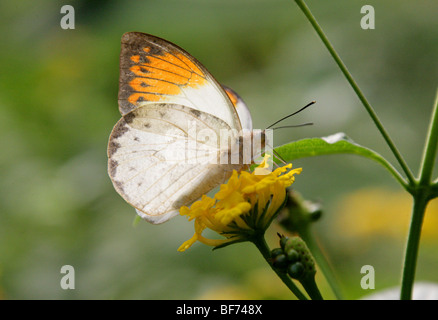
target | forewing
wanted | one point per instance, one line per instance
(155, 70)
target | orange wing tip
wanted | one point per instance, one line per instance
(135, 59)
(232, 97)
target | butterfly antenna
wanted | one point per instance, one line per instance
(294, 126)
(288, 116)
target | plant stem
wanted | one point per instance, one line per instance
(412, 247)
(434, 189)
(424, 192)
(311, 288)
(356, 89)
(430, 148)
(320, 260)
(261, 244)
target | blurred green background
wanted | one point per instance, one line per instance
(58, 104)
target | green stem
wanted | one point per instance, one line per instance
(321, 260)
(434, 190)
(356, 89)
(261, 244)
(412, 247)
(311, 288)
(430, 149)
(424, 192)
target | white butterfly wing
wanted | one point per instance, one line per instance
(159, 156)
(164, 156)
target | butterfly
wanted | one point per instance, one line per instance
(168, 149)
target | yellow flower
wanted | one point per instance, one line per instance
(378, 212)
(246, 204)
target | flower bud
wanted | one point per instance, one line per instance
(292, 255)
(299, 213)
(280, 262)
(283, 241)
(299, 256)
(295, 270)
(276, 252)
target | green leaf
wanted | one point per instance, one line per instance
(337, 143)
